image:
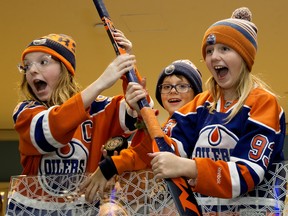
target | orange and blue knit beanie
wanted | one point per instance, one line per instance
(237, 32)
(60, 46)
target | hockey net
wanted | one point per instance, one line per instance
(268, 198)
(133, 193)
(137, 193)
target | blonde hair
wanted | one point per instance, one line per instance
(246, 84)
(65, 89)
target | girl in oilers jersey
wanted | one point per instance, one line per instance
(230, 135)
(235, 130)
(62, 129)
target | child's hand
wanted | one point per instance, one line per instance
(123, 41)
(134, 93)
(165, 165)
(93, 185)
(115, 70)
(169, 165)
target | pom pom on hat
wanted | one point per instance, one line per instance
(60, 46)
(181, 67)
(237, 32)
(242, 13)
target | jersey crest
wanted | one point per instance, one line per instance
(58, 170)
(216, 135)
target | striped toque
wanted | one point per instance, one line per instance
(237, 32)
(60, 46)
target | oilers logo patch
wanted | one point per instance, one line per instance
(62, 171)
(215, 134)
(211, 39)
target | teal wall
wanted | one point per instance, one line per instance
(10, 159)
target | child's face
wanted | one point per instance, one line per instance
(42, 74)
(225, 65)
(173, 101)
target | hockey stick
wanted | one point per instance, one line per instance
(180, 190)
(109, 26)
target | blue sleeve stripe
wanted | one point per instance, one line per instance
(39, 137)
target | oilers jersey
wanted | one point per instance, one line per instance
(232, 157)
(64, 140)
(67, 139)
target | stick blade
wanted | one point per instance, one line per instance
(183, 197)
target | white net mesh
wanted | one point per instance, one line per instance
(48, 195)
(268, 199)
(137, 193)
(134, 193)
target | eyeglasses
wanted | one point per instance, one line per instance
(167, 88)
(41, 64)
